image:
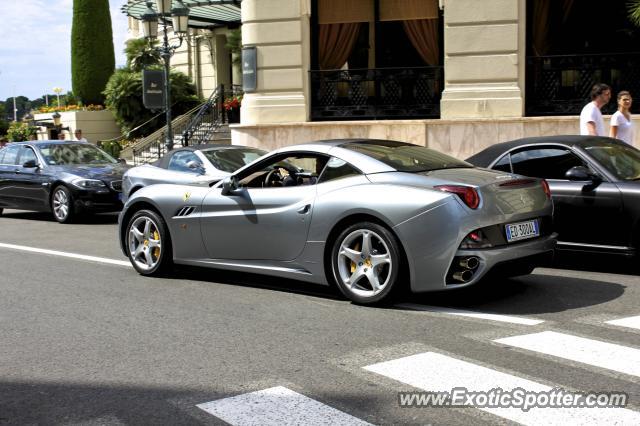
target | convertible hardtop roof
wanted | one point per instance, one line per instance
(488, 155)
(164, 161)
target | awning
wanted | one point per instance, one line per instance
(202, 13)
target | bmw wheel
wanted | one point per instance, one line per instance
(62, 204)
(365, 262)
(148, 243)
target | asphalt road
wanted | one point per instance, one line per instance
(92, 342)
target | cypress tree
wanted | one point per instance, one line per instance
(92, 55)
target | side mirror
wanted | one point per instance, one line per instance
(31, 164)
(122, 161)
(581, 173)
(229, 185)
(196, 166)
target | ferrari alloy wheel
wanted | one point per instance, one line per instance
(148, 244)
(365, 262)
(62, 204)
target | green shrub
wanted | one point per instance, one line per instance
(123, 97)
(20, 131)
(112, 148)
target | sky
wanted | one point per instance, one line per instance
(35, 47)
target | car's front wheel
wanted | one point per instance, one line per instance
(148, 243)
(365, 262)
(62, 204)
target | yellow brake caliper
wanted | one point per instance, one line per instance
(353, 264)
(156, 250)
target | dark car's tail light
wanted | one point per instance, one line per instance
(545, 187)
(467, 194)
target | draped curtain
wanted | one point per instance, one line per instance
(339, 24)
(336, 42)
(423, 34)
(420, 21)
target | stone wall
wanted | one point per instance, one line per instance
(460, 138)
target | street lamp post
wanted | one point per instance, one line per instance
(180, 17)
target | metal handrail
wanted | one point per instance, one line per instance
(126, 135)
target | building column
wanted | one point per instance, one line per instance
(279, 29)
(484, 64)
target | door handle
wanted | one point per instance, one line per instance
(305, 209)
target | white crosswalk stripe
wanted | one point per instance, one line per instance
(277, 406)
(433, 372)
(471, 314)
(593, 352)
(630, 322)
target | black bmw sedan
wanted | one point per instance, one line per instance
(594, 183)
(63, 177)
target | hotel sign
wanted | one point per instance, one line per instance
(249, 69)
(153, 89)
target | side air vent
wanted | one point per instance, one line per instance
(185, 211)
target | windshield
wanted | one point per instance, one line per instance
(621, 160)
(405, 157)
(77, 153)
(230, 160)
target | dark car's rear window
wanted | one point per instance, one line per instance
(406, 157)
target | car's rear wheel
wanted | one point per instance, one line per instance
(148, 243)
(62, 204)
(365, 262)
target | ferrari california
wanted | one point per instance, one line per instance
(370, 216)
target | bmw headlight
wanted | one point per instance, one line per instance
(88, 183)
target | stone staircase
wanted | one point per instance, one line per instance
(205, 124)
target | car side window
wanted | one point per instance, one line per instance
(337, 169)
(180, 159)
(504, 164)
(548, 163)
(26, 154)
(10, 155)
(290, 169)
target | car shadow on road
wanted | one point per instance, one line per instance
(254, 280)
(81, 219)
(528, 294)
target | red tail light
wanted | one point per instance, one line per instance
(545, 187)
(466, 193)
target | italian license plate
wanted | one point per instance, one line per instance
(522, 230)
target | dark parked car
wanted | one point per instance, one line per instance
(62, 177)
(594, 182)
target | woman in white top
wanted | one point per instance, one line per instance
(621, 124)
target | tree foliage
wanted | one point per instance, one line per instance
(20, 131)
(141, 54)
(123, 97)
(633, 7)
(92, 55)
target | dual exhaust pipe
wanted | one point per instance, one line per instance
(466, 268)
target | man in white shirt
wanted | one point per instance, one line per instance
(591, 121)
(78, 135)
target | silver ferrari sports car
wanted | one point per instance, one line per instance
(370, 216)
(193, 165)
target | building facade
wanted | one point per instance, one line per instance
(455, 75)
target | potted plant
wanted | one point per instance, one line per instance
(232, 108)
